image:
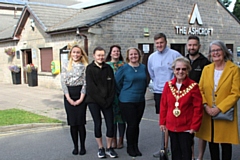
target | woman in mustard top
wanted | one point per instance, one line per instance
(220, 79)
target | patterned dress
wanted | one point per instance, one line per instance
(116, 110)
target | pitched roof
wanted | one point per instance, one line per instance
(49, 16)
(56, 18)
(58, 2)
(12, 2)
(63, 18)
(91, 16)
(7, 30)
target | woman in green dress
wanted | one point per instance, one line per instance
(115, 60)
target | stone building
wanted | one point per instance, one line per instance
(42, 33)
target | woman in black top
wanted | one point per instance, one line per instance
(100, 95)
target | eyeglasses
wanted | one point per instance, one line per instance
(216, 50)
(178, 69)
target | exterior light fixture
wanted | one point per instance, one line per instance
(146, 32)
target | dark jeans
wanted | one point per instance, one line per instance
(132, 114)
(215, 153)
(181, 143)
(95, 110)
(157, 99)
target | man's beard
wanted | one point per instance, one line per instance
(194, 53)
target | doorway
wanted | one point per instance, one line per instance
(179, 47)
(147, 50)
(26, 59)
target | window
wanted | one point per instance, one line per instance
(179, 47)
(46, 59)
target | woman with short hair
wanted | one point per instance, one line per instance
(181, 110)
(220, 87)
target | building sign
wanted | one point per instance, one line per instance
(195, 16)
(201, 31)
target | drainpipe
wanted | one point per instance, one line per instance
(85, 40)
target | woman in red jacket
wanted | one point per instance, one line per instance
(181, 110)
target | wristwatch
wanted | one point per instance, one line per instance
(205, 105)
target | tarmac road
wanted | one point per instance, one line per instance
(53, 142)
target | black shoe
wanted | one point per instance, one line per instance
(101, 153)
(75, 151)
(110, 151)
(137, 150)
(82, 151)
(131, 151)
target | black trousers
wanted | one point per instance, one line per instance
(95, 111)
(157, 99)
(215, 153)
(181, 143)
(214, 148)
(132, 114)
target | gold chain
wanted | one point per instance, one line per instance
(177, 111)
(182, 93)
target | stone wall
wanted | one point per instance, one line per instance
(127, 30)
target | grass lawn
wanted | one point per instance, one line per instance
(16, 116)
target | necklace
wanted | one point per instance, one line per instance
(179, 94)
(135, 70)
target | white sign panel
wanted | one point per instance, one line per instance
(146, 48)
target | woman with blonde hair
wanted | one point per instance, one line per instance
(74, 88)
(131, 81)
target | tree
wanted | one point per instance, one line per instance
(226, 3)
(236, 9)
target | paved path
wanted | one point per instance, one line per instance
(39, 100)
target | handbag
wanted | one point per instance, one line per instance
(225, 116)
(228, 116)
(163, 152)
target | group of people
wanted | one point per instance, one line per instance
(109, 87)
(185, 89)
(183, 92)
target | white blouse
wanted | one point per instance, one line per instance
(217, 75)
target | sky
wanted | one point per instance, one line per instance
(230, 8)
